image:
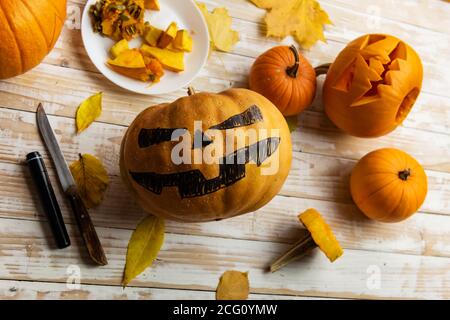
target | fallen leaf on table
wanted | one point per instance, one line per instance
(303, 19)
(219, 26)
(91, 179)
(292, 123)
(88, 111)
(233, 285)
(143, 247)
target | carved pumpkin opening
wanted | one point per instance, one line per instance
(407, 105)
(399, 52)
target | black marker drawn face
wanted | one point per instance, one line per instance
(231, 167)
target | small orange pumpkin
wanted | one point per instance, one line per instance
(372, 85)
(388, 185)
(28, 31)
(284, 77)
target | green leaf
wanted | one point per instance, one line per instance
(143, 248)
(292, 123)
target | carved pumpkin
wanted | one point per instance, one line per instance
(388, 185)
(240, 176)
(28, 31)
(372, 85)
(284, 77)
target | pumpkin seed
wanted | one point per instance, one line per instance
(124, 17)
(117, 7)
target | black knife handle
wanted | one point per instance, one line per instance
(87, 229)
(48, 199)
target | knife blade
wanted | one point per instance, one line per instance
(69, 187)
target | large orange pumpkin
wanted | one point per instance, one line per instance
(372, 85)
(28, 31)
(388, 185)
(237, 180)
(284, 77)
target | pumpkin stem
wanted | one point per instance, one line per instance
(191, 91)
(293, 71)
(322, 69)
(405, 174)
(296, 252)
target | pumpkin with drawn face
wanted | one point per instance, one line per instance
(207, 156)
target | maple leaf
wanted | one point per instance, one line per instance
(219, 26)
(303, 19)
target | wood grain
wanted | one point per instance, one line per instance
(196, 262)
(412, 257)
(28, 290)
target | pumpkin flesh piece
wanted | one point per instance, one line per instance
(321, 233)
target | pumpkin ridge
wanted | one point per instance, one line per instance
(378, 190)
(281, 58)
(391, 164)
(56, 11)
(38, 22)
(282, 94)
(14, 37)
(396, 206)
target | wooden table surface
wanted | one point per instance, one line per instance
(405, 260)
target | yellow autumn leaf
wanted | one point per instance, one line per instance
(219, 26)
(91, 179)
(303, 19)
(233, 285)
(88, 111)
(143, 247)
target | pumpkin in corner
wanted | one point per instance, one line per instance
(207, 156)
(28, 31)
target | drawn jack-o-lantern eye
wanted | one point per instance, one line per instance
(150, 137)
(231, 167)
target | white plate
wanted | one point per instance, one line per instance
(186, 14)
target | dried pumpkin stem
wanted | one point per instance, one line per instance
(322, 69)
(191, 91)
(293, 71)
(296, 252)
(405, 174)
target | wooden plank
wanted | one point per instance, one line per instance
(347, 25)
(423, 234)
(420, 13)
(23, 93)
(28, 290)
(312, 176)
(196, 263)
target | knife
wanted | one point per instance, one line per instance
(69, 187)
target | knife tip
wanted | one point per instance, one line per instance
(40, 107)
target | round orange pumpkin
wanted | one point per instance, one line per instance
(284, 77)
(388, 185)
(241, 175)
(372, 85)
(28, 31)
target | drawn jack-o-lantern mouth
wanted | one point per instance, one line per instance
(207, 156)
(231, 167)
